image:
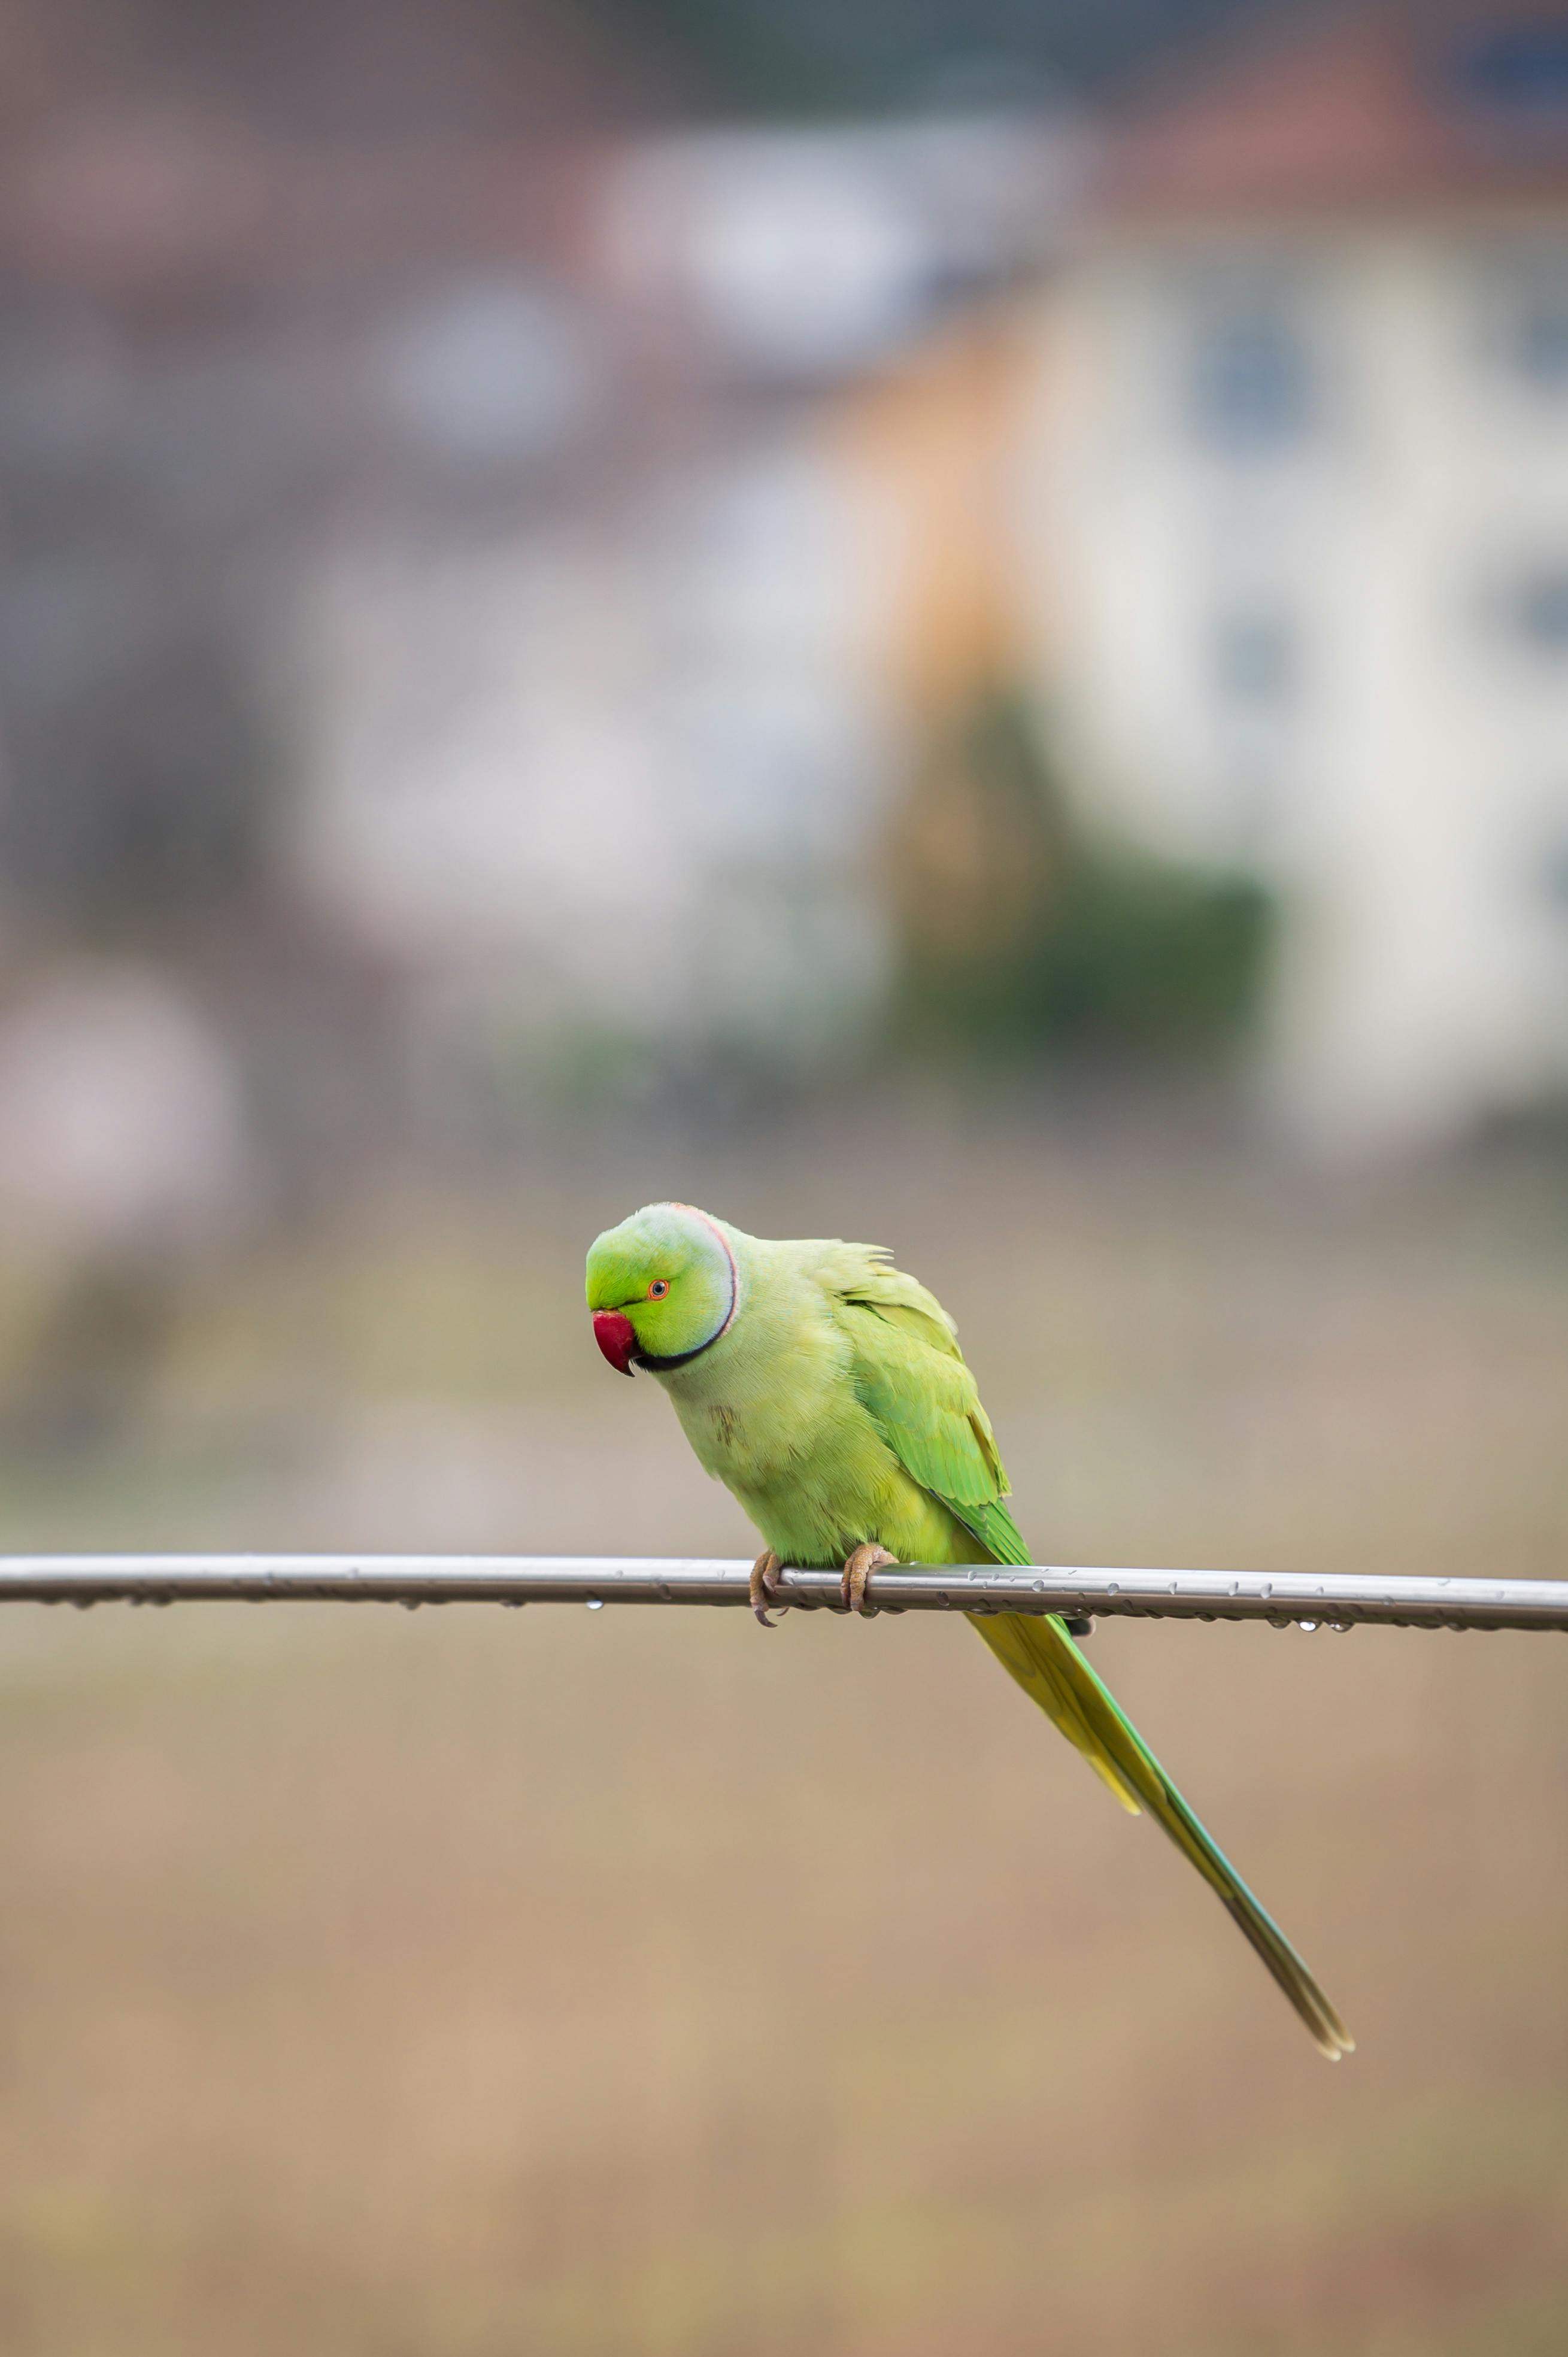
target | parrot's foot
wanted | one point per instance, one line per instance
(857, 1570)
(765, 1588)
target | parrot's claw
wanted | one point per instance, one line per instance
(857, 1570)
(765, 1587)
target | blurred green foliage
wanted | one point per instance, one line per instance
(785, 57)
(1021, 935)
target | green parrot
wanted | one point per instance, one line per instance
(827, 1390)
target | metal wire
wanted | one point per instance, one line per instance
(1279, 1597)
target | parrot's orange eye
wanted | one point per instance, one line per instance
(659, 1288)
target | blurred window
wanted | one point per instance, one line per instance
(1553, 875)
(1253, 659)
(1250, 387)
(1534, 324)
(1516, 72)
(1536, 611)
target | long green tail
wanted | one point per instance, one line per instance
(1038, 1652)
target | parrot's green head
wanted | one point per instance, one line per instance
(662, 1287)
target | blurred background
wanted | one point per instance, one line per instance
(944, 625)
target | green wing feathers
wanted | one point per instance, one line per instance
(911, 1377)
(909, 1373)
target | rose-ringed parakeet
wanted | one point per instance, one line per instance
(827, 1390)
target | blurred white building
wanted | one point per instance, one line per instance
(802, 255)
(1299, 488)
(610, 753)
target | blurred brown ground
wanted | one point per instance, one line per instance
(469, 1984)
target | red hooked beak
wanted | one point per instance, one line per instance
(616, 1338)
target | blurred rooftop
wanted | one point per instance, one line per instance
(1401, 103)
